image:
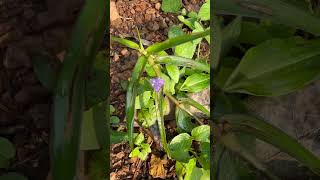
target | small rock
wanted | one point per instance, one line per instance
(124, 52)
(16, 57)
(158, 6)
(114, 14)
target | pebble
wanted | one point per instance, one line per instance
(124, 52)
(158, 6)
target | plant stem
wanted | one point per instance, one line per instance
(156, 68)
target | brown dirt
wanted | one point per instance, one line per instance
(153, 25)
(27, 30)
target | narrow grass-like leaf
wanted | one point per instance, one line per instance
(278, 11)
(169, 43)
(131, 95)
(181, 61)
(195, 104)
(126, 42)
(67, 119)
(274, 136)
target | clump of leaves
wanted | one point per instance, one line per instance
(274, 61)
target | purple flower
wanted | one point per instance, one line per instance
(157, 83)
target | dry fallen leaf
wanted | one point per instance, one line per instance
(157, 170)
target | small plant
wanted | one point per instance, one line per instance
(7, 152)
(275, 62)
(159, 80)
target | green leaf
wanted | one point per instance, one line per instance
(118, 137)
(141, 151)
(166, 106)
(204, 12)
(7, 149)
(201, 133)
(168, 84)
(278, 11)
(276, 67)
(172, 6)
(274, 136)
(196, 83)
(180, 146)
(147, 116)
(188, 22)
(131, 95)
(139, 139)
(204, 158)
(175, 31)
(183, 121)
(195, 104)
(142, 100)
(112, 109)
(94, 128)
(12, 176)
(256, 33)
(150, 71)
(192, 171)
(173, 72)
(172, 42)
(126, 42)
(185, 62)
(180, 170)
(186, 50)
(205, 174)
(114, 120)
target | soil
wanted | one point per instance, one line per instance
(153, 25)
(29, 28)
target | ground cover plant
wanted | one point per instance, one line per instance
(163, 76)
(262, 49)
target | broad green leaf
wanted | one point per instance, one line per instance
(112, 109)
(141, 151)
(7, 149)
(192, 171)
(118, 137)
(172, 42)
(196, 83)
(201, 133)
(13, 176)
(175, 31)
(205, 174)
(180, 146)
(94, 128)
(147, 116)
(276, 67)
(168, 84)
(204, 157)
(198, 28)
(180, 169)
(173, 72)
(114, 120)
(186, 50)
(192, 14)
(256, 33)
(256, 127)
(184, 62)
(150, 70)
(139, 139)
(142, 100)
(227, 66)
(172, 6)
(204, 12)
(126, 42)
(230, 35)
(278, 11)
(183, 121)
